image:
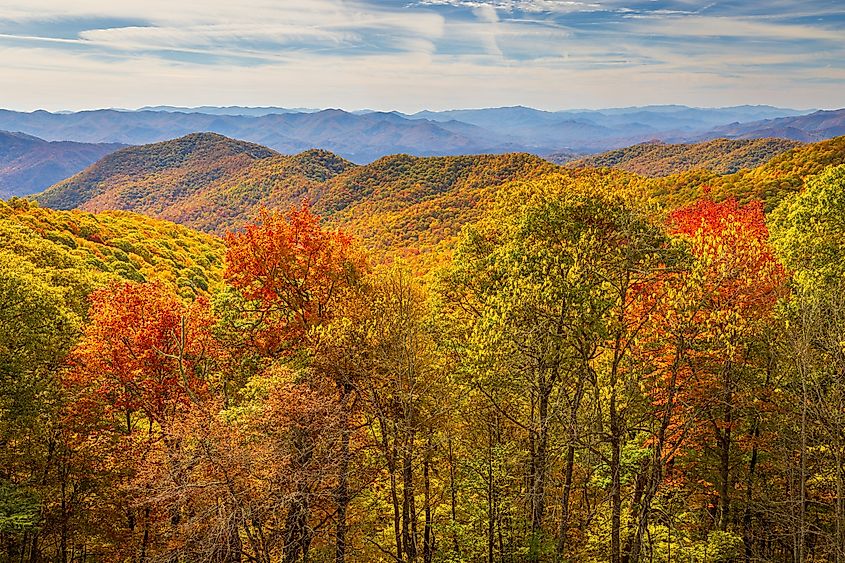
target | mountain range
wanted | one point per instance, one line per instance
(401, 202)
(816, 126)
(215, 183)
(365, 136)
(29, 164)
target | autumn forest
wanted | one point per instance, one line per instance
(441, 359)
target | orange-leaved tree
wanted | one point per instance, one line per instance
(143, 361)
(291, 275)
(727, 301)
(291, 271)
(144, 351)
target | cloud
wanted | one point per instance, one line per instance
(535, 6)
(250, 26)
(696, 26)
(411, 54)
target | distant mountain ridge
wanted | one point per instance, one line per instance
(361, 138)
(29, 164)
(365, 135)
(815, 126)
(255, 111)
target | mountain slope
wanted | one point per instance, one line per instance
(398, 204)
(29, 164)
(276, 182)
(769, 182)
(563, 156)
(149, 177)
(722, 156)
(82, 250)
(214, 183)
(411, 204)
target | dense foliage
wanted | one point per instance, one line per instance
(722, 156)
(589, 375)
(770, 182)
(403, 204)
(150, 177)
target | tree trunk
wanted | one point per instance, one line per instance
(616, 431)
(342, 491)
(64, 525)
(563, 529)
(840, 506)
(638, 516)
(296, 535)
(295, 532)
(569, 466)
(749, 493)
(394, 497)
(428, 531)
(538, 464)
(724, 442)
(409, 513)
(615, 480)
(145, 537)
(453, 491)
(491, 512)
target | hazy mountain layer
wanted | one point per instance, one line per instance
(816, 126)
(29, 164)
(365, 136)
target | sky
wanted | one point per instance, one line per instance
(409, 55)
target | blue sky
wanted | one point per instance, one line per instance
(415, 54)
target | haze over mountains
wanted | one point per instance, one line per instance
(29, 164)
(48, 147)
(812, 127)
(367, 135)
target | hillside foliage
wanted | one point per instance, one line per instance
(721, 156)
(414, 206)
(109, 246)
(451, 359)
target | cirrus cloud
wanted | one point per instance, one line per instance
(413, 54)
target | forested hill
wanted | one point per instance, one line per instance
(722, 156)
(150, 177)
(214, 183)
(400, 202)
(80, 251)
(770, 182)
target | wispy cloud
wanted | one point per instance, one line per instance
(409, 54)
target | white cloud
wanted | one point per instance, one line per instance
(191, 25)
(334, 53)
(697, 26)
(550, 6)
